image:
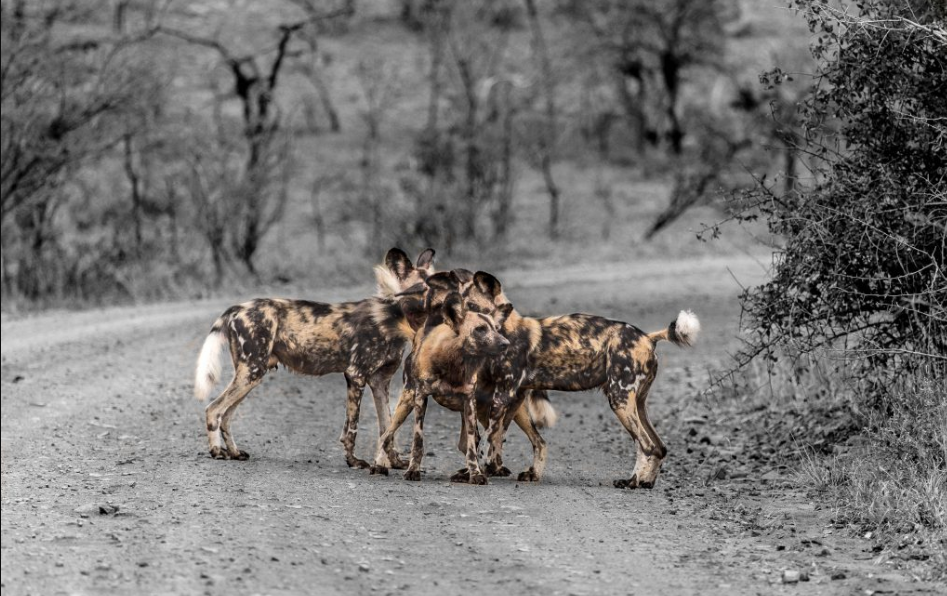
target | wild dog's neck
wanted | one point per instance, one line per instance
(516, 323)
(513, 320)
(391, 319)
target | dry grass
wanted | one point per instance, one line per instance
(879, 461)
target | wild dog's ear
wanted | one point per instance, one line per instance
(398, 263)
(464, 276)
(418, 288)
(425, 261)
(503, 312)
(442, 280)
(454, 311)
(487, 284)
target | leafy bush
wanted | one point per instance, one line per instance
(859, 281)
(862, 266)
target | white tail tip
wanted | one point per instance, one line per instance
(208, 365)
(542, 412)
(686, 328)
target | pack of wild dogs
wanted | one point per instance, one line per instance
(470, 350)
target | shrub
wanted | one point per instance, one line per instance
(862, 265)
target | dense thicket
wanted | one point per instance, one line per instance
(862, 261)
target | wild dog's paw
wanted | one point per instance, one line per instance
(219, 453)
(493, 469)
(240, 455)
(413, 475)
(479, 479)
(630, 483)
(380, 470)
(396, 462)
(355, 462)
(529, 475)
(462, 476)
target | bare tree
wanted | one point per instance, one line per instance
(650, 44)
(378, 83)
(547, 143)
(255, 77)
(62, 102)
(477, 50)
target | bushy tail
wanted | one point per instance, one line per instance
(682, 332)
(208, 363)
(541, 410)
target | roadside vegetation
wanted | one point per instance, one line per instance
(848, 341)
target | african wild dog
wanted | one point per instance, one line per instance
(579, 352)
(480, 292)
(364, 340)
(569, 353)
(445, 361)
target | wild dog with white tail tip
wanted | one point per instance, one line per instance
(579, 352)
(364, 340)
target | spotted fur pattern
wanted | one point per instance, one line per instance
(363, 340)
(446, 358)
(482, 294)
(579, 352)
(574, 352)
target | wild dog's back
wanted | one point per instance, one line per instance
(573, 351)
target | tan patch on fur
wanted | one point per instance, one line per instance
(515, 322)
(643, 350)
(434, 346)
(298, 332)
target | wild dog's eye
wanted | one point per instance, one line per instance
(480, 330)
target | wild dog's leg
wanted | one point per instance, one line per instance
(379, 384)
(232, 449)
(417, 444)
(475, 474)
(525, 422)
(463, 474)
(497, 427)
(404, 407)
(505, 404)
(350, 430)
(649, 460)
(218, 412)
(629, 406)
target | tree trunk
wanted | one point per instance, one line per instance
(471, 151)
(548, 139)
(135, 183)
(505, 197)
(671, 73)
(325, 98)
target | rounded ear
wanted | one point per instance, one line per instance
(487, 284)
(442, 280)
(398, 263)
(454, 311)
(426, 260)
(503, 312)
(464, 276)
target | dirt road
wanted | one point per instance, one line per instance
(97, 413)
